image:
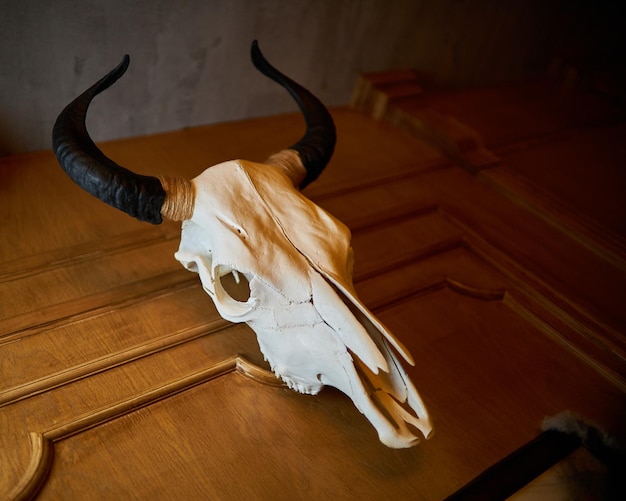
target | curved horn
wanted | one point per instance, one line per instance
(318, 143)
(140, 196)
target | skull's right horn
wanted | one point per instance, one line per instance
(140, 196)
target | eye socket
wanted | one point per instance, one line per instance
(236, 285)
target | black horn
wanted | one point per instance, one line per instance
(140, 196)
(318, 143)
(143, 197)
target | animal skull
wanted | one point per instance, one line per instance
(269, 257)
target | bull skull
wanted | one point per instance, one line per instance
(269, 257)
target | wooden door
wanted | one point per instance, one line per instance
(118, 380)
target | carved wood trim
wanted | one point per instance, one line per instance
(56, 315)
(582, 229)
(409, 257)
(87, 252)
(403, 173)
(475, 292)
(41, 456)
(42, 443)
(392, 216)
(602, 365)
(109, 361)
(578, 330)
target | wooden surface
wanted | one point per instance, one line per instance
(119, 380)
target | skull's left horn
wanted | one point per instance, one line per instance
(318, 143)
(140, 196)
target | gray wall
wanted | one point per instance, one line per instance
(190, 62)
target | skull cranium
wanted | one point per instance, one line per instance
(270, 257)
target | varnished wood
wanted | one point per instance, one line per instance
(118, 378)
(555, 152)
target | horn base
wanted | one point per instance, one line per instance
(180, 197)
(290, 163)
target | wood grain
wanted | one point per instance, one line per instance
(118, 379)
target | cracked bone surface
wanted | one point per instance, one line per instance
(293, 265)
(269, 257)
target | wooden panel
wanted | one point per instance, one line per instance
(555, 154)
(587, 177)
(119, 379)
(467, 367)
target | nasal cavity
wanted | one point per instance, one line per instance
(236, 285)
